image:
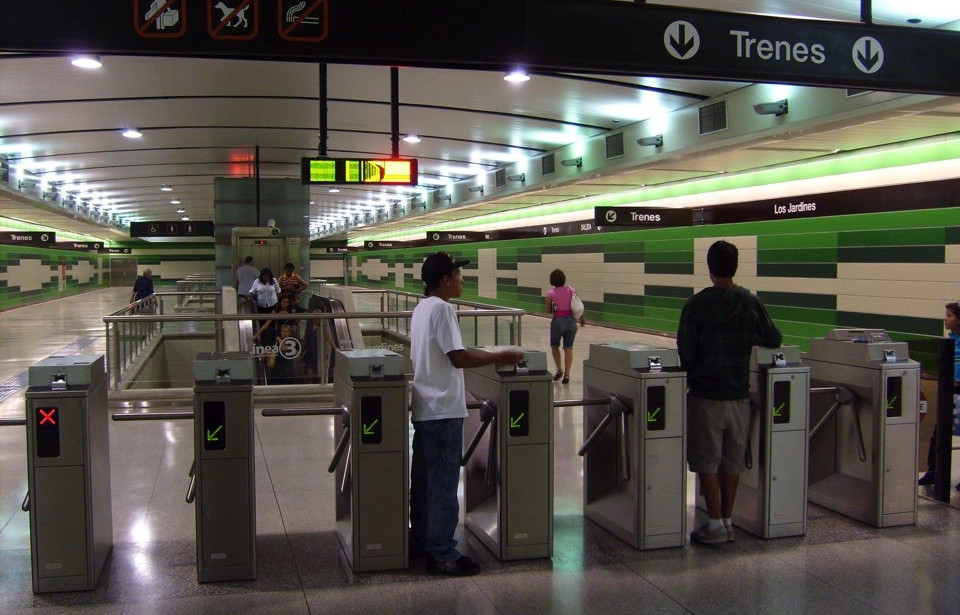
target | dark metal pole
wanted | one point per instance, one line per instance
(322, 147)
(256, 178)
(866, 11)
(943, 443)
(395, 111)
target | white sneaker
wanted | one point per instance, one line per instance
(704, 535)
(729, 529)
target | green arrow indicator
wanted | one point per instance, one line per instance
(891, 403)
(212, 435)
(515, 421)
(368, 429)
(652, 416)
(778, 410)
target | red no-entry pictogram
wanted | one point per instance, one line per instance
(160, 18)
(47, 417)
(302, 20)
(239, 22)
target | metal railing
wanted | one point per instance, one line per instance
(503, 327)
(133, 330)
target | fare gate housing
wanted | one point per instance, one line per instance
(372, 476)
(863, 461)
(226, 510)
(772, 494)
(68, 472)
(634, 473)
(508, 490)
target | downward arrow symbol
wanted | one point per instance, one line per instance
(515, 421)
(684, 44)
(212, 435)
(868, 57)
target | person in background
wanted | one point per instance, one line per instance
(244, 277)
(718, 328)
(563, 325)
(312, 350)
(439, 407)
(951, 322)
(291, 283)
(265, 291)
(142, 287)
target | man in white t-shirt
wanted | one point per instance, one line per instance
(439, 407)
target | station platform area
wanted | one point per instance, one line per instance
(839, 566)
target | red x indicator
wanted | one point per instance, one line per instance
(47, 417)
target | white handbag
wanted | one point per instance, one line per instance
(576, 306)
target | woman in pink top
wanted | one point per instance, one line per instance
(564, 325)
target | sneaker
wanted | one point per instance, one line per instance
(704, 535)
(729, 530)
(462, 567)
(926, 479)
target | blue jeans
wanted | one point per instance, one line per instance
(434, 479)
(564, 327)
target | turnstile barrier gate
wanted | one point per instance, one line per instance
(634, 474)
(68, 472)
(508, 484)
(772, 495)
(225, 499)
(372, 459)
(863, 447)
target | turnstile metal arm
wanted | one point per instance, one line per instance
(842, 397)
(25, 505)
(346, 474)
(12, 422)
(617, 407)
(192, 487)
(491, 473)
(342, 443)
(487, 413)
(151, 416)
(332, 411)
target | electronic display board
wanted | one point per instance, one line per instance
(383, 171)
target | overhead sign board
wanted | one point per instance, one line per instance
(80, 246)
(645, 217)
(179, 228)
(385, 171)
(29, 238)
(611, 37)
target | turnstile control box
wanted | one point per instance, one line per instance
(68, 472)
(772, 495)
(225, 501)
(634, 469)
(863, 442)
(372, 477)
(508, 488)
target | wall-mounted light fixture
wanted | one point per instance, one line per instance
(573, 162)
(476, 189)
(519, 177)
(778, 107)
(654, 141)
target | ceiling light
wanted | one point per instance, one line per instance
(132, 133)
(181, 210)
(174, 201)
(166, 188)
(517, 76)
(573, 162)
(87, 61)
(411, 138)
(778, 107)
(334, 190)
(520, 177)
(185, 218)
(655, 141)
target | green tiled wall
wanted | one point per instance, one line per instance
(813, 274)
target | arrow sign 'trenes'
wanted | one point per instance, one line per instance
(868, 54)
(681, 40)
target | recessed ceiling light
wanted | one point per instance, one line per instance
(914, 20)
(334, 190)
(411, 138)
(174, 201)
(181, 210)
(166, 188)
(517, 76)
(132, 133)
(87, 61)
(185, 218)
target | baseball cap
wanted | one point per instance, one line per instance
(438, 265)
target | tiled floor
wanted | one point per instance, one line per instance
(840, 566)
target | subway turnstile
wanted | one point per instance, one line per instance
(634, 474)
(772, 494)
(224, 467)
(68, 472)
(863, 447)
(372, 459)
(508, 485)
